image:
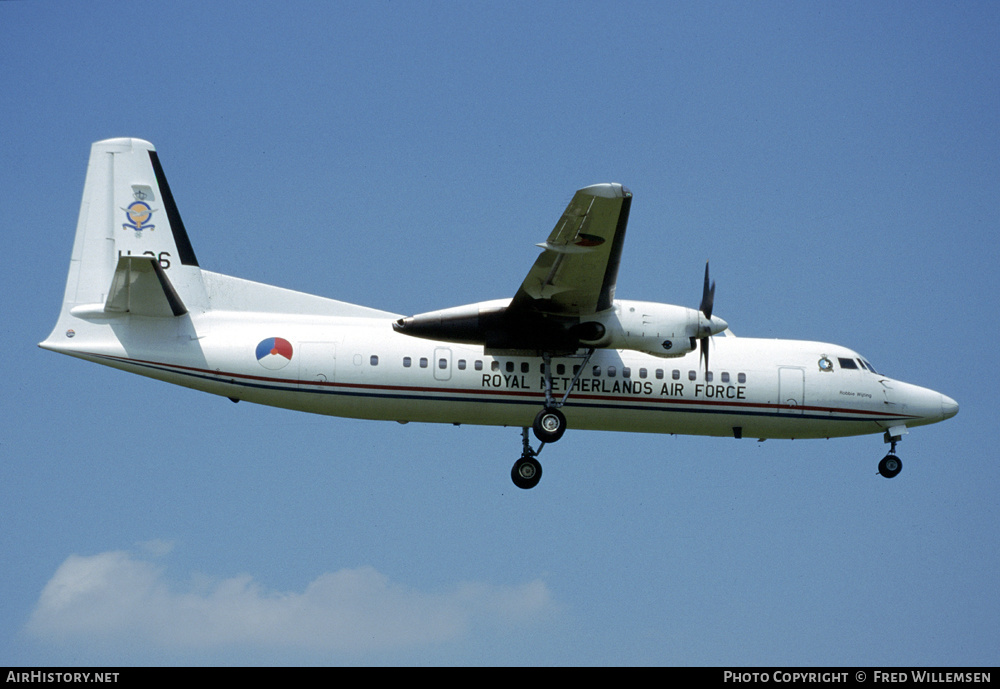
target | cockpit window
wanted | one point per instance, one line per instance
(867, 364)
(847, 363)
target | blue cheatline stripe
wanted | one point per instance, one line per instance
(486, 397)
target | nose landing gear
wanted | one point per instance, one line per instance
(891, 465)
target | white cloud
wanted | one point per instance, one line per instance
(117, 596)
(157, 547)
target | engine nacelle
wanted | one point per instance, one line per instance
(663, 330)
(659, 329)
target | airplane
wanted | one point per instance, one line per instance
(562, 353)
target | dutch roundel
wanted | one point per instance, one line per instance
(274, 353)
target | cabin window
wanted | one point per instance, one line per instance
(407, 362)
(741, 378)
(676, 375)
(708, 376)
(423, 362)
(374, 360)
(626, 372)
(478, 365)
(597, 370)
(576, 369)
(442, 364)
(509, 366)
(642, 373)
(560, 369)
(692, 375)
(847, 363)
(659, 374)
(725, 377)
(461, 364)
(494, 365)
(525, 367)
(612, 371)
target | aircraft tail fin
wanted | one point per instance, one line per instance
(132, 257)
(131, 254)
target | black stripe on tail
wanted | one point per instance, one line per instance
(184, 249)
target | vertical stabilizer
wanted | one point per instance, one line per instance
(128, 211)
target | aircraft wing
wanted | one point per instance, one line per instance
(576, 273)
(571, 281)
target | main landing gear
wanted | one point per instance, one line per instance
(548, 427)
(891, 464)
(527, 471)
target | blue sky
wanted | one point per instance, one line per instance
(837, 162)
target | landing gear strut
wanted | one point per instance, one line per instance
(890, 464)
(548, 426)
(527, 471)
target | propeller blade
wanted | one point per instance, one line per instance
(707, 295)
(707, 302)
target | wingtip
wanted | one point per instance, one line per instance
(608, 190)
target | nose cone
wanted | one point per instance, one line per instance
(922, 405)
(949, 407)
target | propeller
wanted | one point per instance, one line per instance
(707, 302)
(707, 296)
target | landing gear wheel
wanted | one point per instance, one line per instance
(890, 466)
(549, 425)
(527, 472)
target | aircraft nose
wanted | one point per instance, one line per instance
(949, 407)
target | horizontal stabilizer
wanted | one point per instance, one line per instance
(141, 287)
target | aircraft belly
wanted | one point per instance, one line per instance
(641, 416)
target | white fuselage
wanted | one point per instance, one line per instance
(359, 367)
